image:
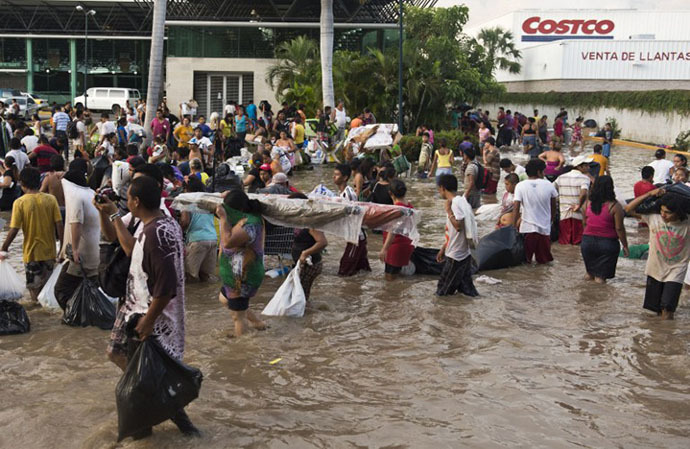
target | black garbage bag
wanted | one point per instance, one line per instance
(153, 388)
(100, 165)
(424, 260)
(88, 306)
(652, 205)
(502, 248)
(13, 318)
(589, 123)
(555, 226)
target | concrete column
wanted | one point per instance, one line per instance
(29, 66)
(73, 68)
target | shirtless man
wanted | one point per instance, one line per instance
(52, 181)
(507, 207)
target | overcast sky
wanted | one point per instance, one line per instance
(483, 10)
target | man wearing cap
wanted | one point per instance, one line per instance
(278, 186)
(572, 190)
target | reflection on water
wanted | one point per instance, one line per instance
(541, 360)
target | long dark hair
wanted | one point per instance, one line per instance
(602, 192)
(239, 200)
(11, 165)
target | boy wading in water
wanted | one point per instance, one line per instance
(669, 250)
(456, 274)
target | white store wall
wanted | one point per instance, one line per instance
(179, 83)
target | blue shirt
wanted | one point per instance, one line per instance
(205, 130)
(251, 111)
(201, 229)
(241, 123)
(121, 131)
(184, 168)
(61, 120)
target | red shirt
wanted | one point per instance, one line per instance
(558, 128)
(642, 187)
(43, 154)
(401, 249)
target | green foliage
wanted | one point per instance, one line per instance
(651, 101)
(438, 71)
(683, 141)
(497, 50)
(411, 144)
(616, 130)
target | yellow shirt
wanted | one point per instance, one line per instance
(183, 134)
(299, 134)
(603, 163)
(444, 159)
(36, 214)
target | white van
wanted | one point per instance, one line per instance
(108, 98)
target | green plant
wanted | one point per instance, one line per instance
(411, 144)
(616, 130)
(683, 141)
(651, 101)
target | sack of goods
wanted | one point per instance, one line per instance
(88, 306)
(652, 205)
(289, 300)
(11, 285)
(13, 318)
(424, 261)
(502, 248)
(153, 388)
(47, 295)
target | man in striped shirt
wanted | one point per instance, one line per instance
(60, 122)
(572, 192)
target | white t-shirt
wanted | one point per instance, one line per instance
(458, 248)
(535, 197)
(520, 170)
(204, 143)
(30, 142)
(662, 169)
(340, 118)
(81, 128)
(20, 158)
(229, 109)
(80, 209)
(105, 128)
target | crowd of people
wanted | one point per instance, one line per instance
(90, 185)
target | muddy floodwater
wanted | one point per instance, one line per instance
(541, 360)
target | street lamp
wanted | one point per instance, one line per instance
(88, 13)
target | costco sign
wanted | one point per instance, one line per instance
(536, 29)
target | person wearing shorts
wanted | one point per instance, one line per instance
(201, 248)
(397, 249)
(241, 269)
(38, 216)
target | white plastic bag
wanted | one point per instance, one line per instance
(289, 300)
(47, 296)
(11, 284)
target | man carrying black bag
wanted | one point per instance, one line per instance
(124, 231)
(155, 285)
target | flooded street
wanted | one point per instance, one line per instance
(541, 360)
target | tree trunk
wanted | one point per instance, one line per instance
(327, 53)
(155, 84)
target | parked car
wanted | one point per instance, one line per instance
(37, 100)
(27, 106)
(108, 98)
(6, 93)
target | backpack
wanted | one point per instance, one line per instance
(72, 131)
(480, 180)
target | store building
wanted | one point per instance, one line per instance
(216, 50)
(597, 50)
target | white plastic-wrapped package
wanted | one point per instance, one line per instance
(289, 299)
(488, 212)
(47, 295)
(11, 284)
(341, 220)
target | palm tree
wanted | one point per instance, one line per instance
(500, 50)
(327, 53)
(296, 61)
(155, 84)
